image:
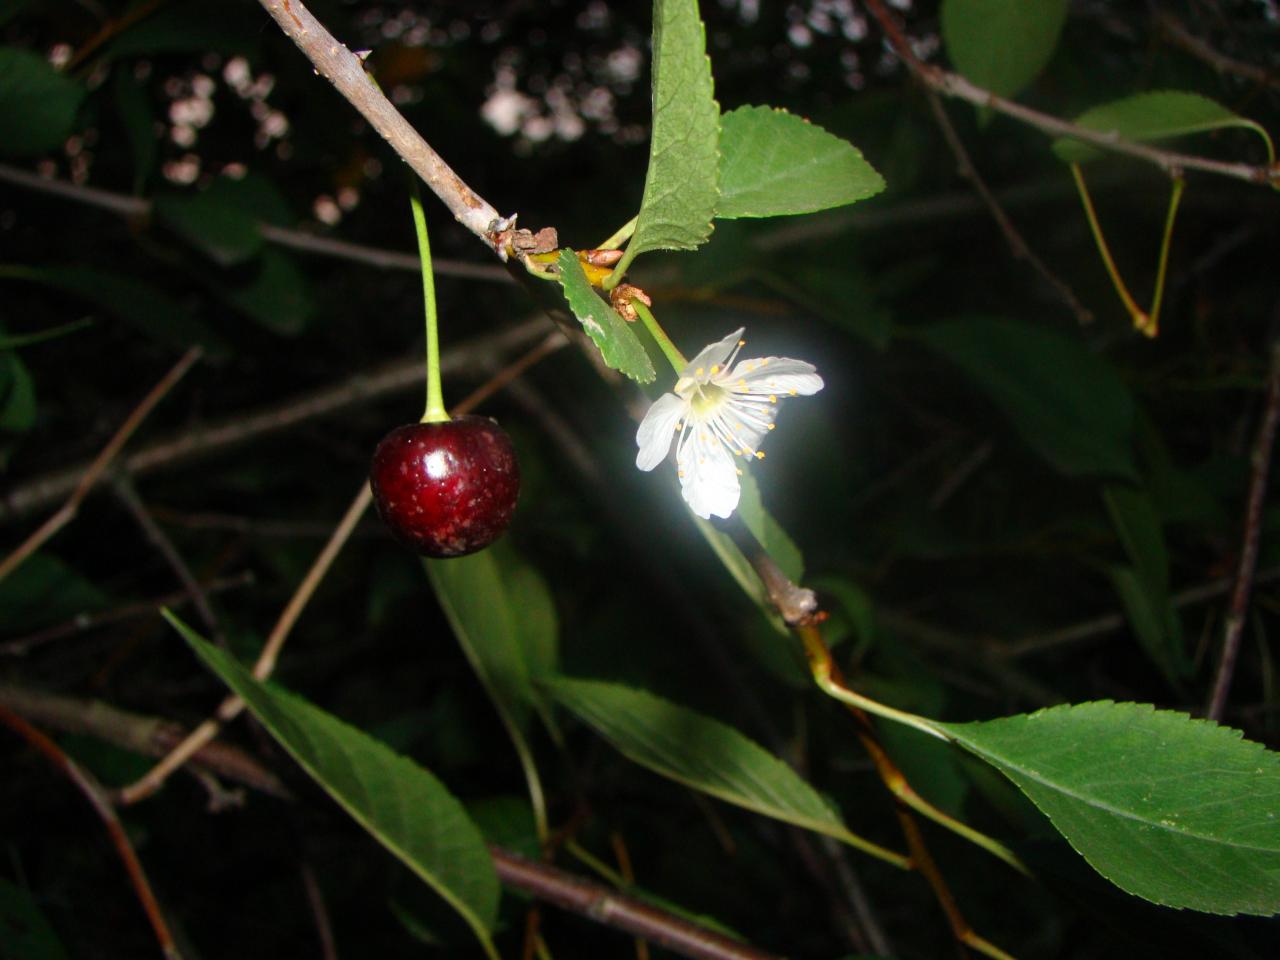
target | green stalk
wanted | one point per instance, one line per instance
(673, 355)
(1158, 297)
(435, 412)
(1135, 312)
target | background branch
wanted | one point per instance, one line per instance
(953, 84)
(1233, 629)
(345, 71)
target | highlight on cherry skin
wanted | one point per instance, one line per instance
(446, 488)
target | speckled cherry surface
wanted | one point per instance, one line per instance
(446, 489)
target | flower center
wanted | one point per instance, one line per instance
(707, 399)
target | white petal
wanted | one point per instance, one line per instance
(712, 355)
(778, 376)
(708, 477)
(737, 421)
(656, 430)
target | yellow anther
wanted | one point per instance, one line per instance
(742, 383)
(792, 391)
(772, 425)
(699, 372)
(715, 368)
(772, 398)
(759, 454)
(742, 343)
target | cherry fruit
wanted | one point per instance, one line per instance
(446, 488)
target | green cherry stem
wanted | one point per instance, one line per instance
(435, 412)
(674, 356)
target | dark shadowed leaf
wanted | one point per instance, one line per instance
(1178, 811)
(38, 104)
(773, 163)
(149, 310)
(406, 808)
(1002, 45)
(1070, 405)
(278, 296)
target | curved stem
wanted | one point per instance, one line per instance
(1157, 297)
(435, 412)
(1139, 317)
(620, 236)
(673, 355)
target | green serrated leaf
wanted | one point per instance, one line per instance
(1069, 404)
(1154, 116)
(1178, 811)
(680, 185)
(773, 163)
(38, 105)
(1002, 45)
(618, 345)
(403, 806)
(700, 752)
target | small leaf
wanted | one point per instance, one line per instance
(1070, 405)
(1154, 116)
(1177, 811)
(221, 228)
(695, 750)
(776, 542)
(680, 185)
(1144, 588)
(618, 345)
(139, 122)
(277, 297)
(773, 163)
(25, 932)
(402, 805)
(17, 394)
(38, 104)
(1002, 45)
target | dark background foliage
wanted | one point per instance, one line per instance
(940, 537)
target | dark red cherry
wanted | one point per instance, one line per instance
(446, 489)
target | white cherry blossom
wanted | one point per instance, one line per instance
(720, 411)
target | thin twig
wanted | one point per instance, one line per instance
(93, 473)
(149, 736)
(1175, 30)
(1017, 243)
(1096, 627)
(97, 798)
(954, 85)
(231, 707)
(1233, 629)
(127, 495)
(21, 646)
(315, 900)
(199, 441)
(345, 71)
(617, 910)
(139, 209)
